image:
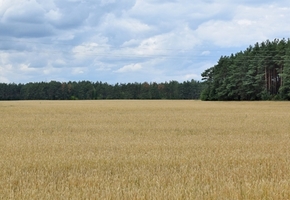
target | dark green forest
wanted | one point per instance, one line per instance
(82, 90)
(261, 72)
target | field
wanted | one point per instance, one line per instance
(144, 150)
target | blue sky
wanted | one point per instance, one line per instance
(129, 40)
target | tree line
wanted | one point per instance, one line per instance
(261, 72)
(82, 90)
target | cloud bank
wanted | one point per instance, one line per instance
(129, 40)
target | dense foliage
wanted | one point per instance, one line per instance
(261, 72)
(55, 90)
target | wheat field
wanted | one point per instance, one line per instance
(144, 150)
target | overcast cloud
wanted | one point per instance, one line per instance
(129, 40)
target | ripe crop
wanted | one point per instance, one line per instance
(144, 150)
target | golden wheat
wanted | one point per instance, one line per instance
(144, 150)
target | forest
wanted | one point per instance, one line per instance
(261, 72)
(83, 90)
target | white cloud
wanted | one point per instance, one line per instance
(4, 80)
(91, 50)
(106, 2)
(25, 12)
(78, 70)
(191, 76)
(25, 68)
(130, 68)
(4, 72)
(205, 53)
(121, 29)
(53, 15)
(248, 26)
(49, 70)
(169, 44)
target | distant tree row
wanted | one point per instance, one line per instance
(261, 72)
(55, 90)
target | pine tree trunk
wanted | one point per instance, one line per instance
(281, 76)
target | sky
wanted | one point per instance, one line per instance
(126, 41)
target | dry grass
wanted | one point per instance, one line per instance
(144, 150)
